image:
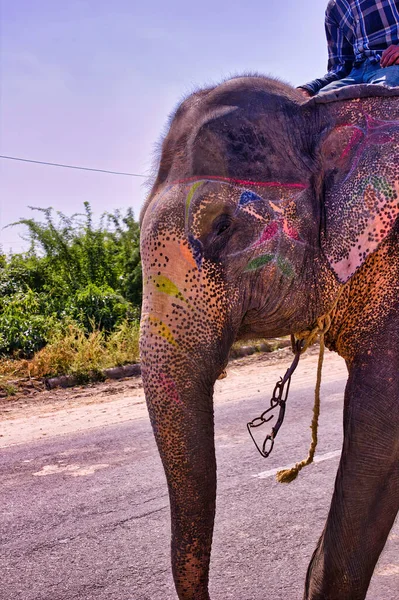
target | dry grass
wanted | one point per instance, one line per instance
(243, 347)
(72, 352)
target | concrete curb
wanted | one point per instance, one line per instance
(134, 370)
(262, 346)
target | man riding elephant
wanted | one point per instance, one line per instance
(266, 213)
(363, 45)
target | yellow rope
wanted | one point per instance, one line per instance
(288, 475)
(322, 326)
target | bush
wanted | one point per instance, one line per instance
(24, 328)
(73, 352)
(97, 307)
(70, 352)
(74, 271)
(123, 344)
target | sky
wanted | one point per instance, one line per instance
(92, 82)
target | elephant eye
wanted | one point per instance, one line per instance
(220, 224)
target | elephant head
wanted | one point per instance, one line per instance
(263, 208)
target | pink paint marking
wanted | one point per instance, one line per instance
(268, 233)
(271, 230)
(265, 184)
(373, 123)
(169, 388)
(355, 139)
(376, 132)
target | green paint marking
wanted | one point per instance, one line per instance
(285, 267)
(380, 184)
(259, 262)
(190, 196)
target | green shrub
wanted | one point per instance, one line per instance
(123, 344)
(97, 307)
(24, 328)
(75, 271)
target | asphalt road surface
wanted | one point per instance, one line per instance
(85, 516)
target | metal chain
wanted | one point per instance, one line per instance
(278, 399)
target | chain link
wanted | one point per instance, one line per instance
(278, 399)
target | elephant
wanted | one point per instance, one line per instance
(266, 211)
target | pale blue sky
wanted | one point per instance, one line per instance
(91, 82)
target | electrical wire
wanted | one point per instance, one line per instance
(51, 164)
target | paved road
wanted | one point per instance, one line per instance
(86, 516)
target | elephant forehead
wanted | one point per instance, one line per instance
(206, 194)
(259, 201)
(163, 212)
(174, 255)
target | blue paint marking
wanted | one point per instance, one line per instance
(247, 197)
(197, 250)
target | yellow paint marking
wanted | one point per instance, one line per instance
(190, 197)
(163, 330)
(166, 286)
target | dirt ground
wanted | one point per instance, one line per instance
(50, 413)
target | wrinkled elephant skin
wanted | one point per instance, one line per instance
(265, 211)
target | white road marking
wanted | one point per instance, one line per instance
(388, 570)
(73, 470)
(317, 459)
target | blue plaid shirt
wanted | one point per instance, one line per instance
(356, 30)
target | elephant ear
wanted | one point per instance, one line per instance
(360, 163)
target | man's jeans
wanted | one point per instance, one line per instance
(367, 72)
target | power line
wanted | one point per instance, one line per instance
(51, 164)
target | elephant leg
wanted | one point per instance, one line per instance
(366, 496)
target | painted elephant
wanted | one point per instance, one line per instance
(264, 210)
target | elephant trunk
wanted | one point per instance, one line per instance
(179, 390)
(187, 327)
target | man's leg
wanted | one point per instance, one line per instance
(388, 76)
(354, 77)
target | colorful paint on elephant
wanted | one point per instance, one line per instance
(189, 198)
(241, 182)
(372, 197)
(373, 132)
(170, 389)
(273, 211)
(162, 330)
(165, 286)
(186, 253)
(286, 268)
(244, 256)
(260, 261)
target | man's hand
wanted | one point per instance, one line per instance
(390, 56)
(304, 92)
